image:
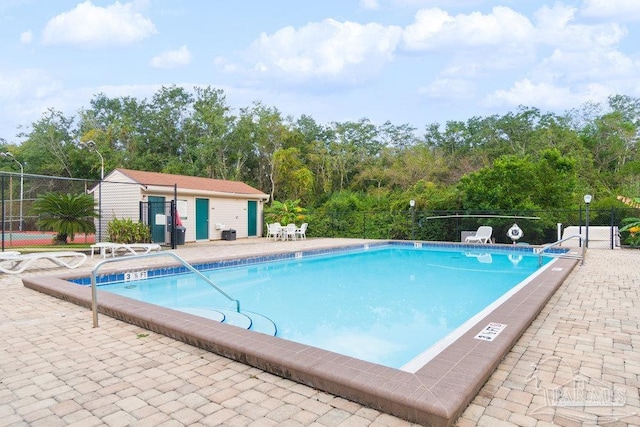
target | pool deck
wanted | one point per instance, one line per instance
(577, 364)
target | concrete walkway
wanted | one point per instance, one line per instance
(56, 370)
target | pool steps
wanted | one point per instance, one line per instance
(245, 319)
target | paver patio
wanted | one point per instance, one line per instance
(56, 369)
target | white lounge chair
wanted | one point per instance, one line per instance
(15, 262)
(483, 258)
(138, 248)
(110, 248)
(483, 235)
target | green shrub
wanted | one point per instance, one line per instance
(632, 226)
(126, 231)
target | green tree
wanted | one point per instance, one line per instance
(48, 145)
(508, 184)
(66, 214)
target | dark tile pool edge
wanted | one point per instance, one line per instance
(435, 395)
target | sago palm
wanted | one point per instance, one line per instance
(66, 214)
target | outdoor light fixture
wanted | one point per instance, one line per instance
(412, 203)
(587, 202)
(91, 145)
(11, 156)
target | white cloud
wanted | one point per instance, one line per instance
(369, 4)
(547, 95)
(578, 67)
(445, 88)
(27, 83)
(555, 61)
(225, 65)
(555, 27)
(26, 37)
(172, 58)
(93, 26)
(435, 29)
(328, 49)
(625, 10)
(24, 95)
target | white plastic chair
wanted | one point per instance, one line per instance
(274, 230)
(289, 232)
(483, 235)
(302, 231)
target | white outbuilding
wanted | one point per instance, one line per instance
(208, 209)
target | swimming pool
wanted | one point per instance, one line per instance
(432, 394)
(384, 304)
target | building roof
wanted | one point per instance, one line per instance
(190, 182)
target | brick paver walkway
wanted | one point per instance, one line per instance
(579, 362)
(56, 370)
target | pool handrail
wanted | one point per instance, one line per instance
(541, 251)
(94, 273)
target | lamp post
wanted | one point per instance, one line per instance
(91, 145)
(11, 156)
(587, 202)
(412, 203)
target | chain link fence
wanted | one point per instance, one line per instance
(21, 229)
(539, 227)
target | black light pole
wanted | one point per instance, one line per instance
(587, 202)
(412, 203)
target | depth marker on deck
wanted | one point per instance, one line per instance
(490, 332)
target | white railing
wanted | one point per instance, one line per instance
(572, 255)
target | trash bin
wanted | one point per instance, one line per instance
(229, 234)
(180, 233)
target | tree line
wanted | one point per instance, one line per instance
(523, 160)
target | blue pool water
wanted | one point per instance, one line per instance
(385, 305)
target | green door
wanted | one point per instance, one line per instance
(202, 219)
(156, 206)
(252, 215)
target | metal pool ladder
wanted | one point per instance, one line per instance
(571, 255)
(94, 273)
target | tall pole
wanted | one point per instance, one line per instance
(21, 194)
(11, 156)
(587, 202)
(100, 194)
(91, 145)
(412, 203)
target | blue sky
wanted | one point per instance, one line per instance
(406, 61)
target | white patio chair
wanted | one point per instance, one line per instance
(302, 231)
(289, 232)
(274, 230)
